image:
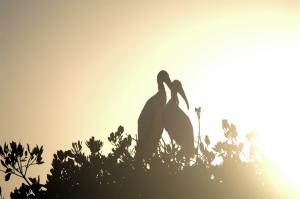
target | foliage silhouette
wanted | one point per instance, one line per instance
(77, 174)
(16, 160)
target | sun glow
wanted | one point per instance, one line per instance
(256, 87)
(276, 103)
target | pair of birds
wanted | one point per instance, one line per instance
(158, 115)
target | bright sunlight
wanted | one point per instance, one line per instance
(263, 73)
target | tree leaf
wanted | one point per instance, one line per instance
(225, 124)
(3, 164)
(7, 161)
(32, 180)
(6, 148)
(1, 151)
(13, 146)
(41, 150)
(35, 150)
(20, 150)
(8, 170)
(201, 147)
(233, 131)
(28, 148)
(207, 141)
(41, 162)
(7, 176)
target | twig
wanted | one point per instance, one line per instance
(198, 111)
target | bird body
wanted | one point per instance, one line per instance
(177, 123)
(150, 125)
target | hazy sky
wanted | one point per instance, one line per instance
(72, 70)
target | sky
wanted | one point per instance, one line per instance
(72, 70)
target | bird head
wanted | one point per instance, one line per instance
(177, 88)
(163, 76)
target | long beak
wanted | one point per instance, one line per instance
(181, 92)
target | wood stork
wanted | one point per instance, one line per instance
(177, 123)
(150, 126)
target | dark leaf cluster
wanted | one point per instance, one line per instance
(16, 160)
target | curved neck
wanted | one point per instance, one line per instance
(161, 86)
(174, 96)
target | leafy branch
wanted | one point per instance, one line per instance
(16, 160)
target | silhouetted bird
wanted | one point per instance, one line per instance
(150, 126)
(177, 123)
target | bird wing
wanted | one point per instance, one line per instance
(145, 118)
(150, 116)
(179, 126)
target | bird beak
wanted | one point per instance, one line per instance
(181, 92)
